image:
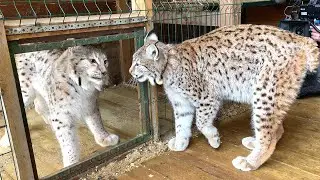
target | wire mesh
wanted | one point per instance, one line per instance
(18, 9)
(32, 16)
(176, 21)
(6, 156)
(179, 20)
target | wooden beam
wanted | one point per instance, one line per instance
(146, 7)
(229, 12)
(75, 31)
(20, 143)
(126, 47)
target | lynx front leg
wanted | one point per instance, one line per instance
(65, 132)
(183, 113)
(205, 115)
(101, 136)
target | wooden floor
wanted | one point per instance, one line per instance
(297, 155)
(119, 108)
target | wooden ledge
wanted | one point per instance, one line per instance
(75, 31)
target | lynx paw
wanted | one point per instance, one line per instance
(212, 134)
(109, 140)
(214, 142)
(178, 144)
(242, 164)
(248, 142)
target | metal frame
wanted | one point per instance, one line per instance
(105, 156)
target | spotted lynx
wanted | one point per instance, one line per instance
(64, 87)
(255, 64)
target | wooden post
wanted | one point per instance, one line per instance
(126, 51)
(229, 12)
(126, 47)
(22, 151)
(154, 111)
(145, 6)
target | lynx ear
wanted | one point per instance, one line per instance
(151, 36)
(152, 52)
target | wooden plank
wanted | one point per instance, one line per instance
(291, 149)
(310, 111)
(223, 156)
(126, 177)
(154, 111)
(140, 6)
(173, 169)
(75, 31)
(153, 107)
(120, 119)
(229, 12)
(216, 169)
(295, 140)
(22, 152)
(126, 52)
(126, 48)
(144, 173)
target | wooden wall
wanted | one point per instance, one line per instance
(269, 15)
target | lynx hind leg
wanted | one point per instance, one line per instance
(65, 131)
(183, 113)
(249, 142)
(205, 114)
(271, 101)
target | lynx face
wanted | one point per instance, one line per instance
(149, 61)
(90, 64)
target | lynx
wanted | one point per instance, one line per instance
(255, 64)
(64, 87)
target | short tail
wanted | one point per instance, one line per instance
(313, 55)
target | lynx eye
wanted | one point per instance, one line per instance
(93, 61)
(105, 61)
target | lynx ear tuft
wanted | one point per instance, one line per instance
(151, 36)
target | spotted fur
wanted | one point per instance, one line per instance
(255, 64)
(64, 87)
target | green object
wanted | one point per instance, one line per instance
(106, 155)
